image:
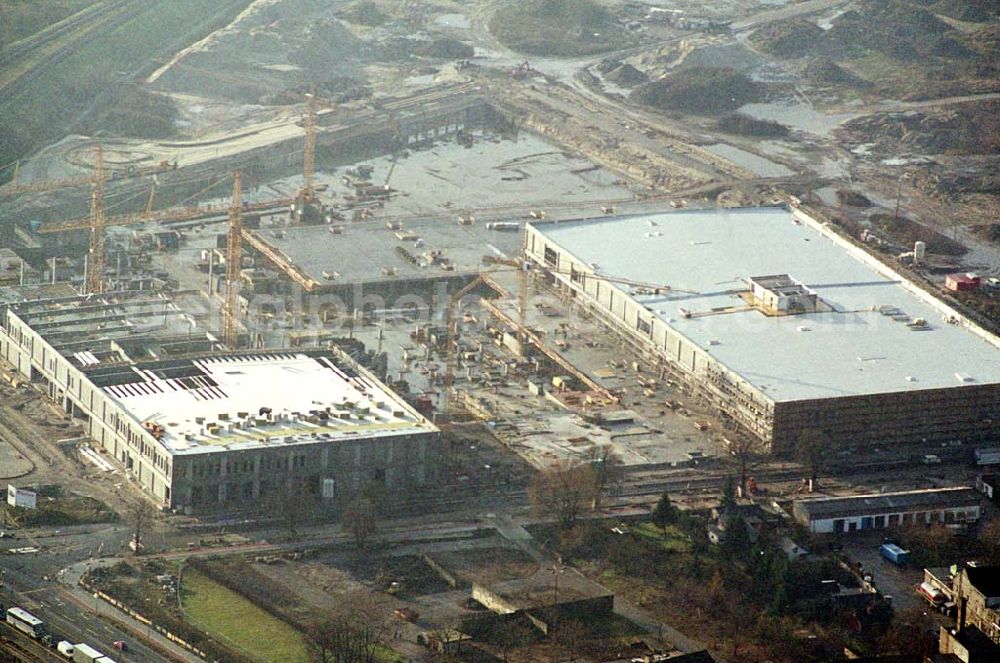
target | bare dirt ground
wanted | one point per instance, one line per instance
(33, 427)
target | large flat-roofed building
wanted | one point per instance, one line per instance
(837, 515)
(200, 428)
(394, 257)
(786, 328)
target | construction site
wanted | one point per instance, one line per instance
(377, 215)
(407, 258)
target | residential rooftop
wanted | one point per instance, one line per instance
(905, 501)
(872, 331)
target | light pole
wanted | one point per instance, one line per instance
(899, 191)
(557, 569)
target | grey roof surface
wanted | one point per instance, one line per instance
(217, 402)
(360, 254)
(888, 502)
(851, 350)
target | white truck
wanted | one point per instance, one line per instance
(84, 653)
(65, 647)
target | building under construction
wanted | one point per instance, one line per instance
(201, 428)
(787, 330)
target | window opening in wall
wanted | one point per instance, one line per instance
(551, 256)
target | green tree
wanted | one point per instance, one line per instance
(736, 544)
(665, 513)
(728, 493)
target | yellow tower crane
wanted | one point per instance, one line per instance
(234, 260)
(307, 194)
(94, 277)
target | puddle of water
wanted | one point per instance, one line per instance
(759, 166)
(798, 116)
(459, 21)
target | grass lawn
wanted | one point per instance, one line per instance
(674, 540)
(235, 621)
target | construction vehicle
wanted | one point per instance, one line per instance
(521, 71)
(928, 592)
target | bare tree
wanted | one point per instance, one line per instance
(607, 466)
(293, 508)
(909, 634)
(568, 635)
(813, 451)
(745, 451)
(359, 517)
(989, 542)
(140, 517)
(508, 634)
(563, 490)
(353, 632)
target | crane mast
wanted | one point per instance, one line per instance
(307, 193)
(94, 277)
(234, 260)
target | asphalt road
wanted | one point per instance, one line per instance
(30, 581)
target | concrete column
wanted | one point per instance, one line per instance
(255, 489)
